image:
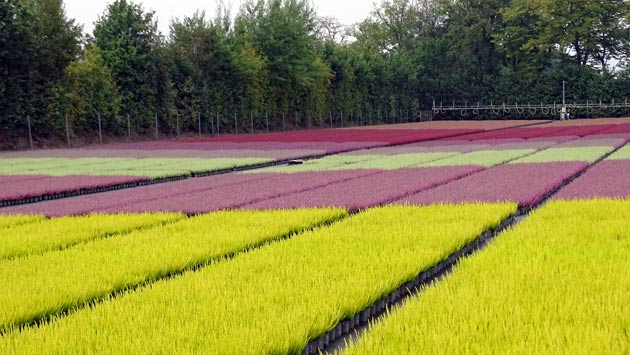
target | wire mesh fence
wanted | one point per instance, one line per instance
(216, 123)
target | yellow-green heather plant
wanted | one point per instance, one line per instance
(152, 167)
(558, 283)
(487, 158)
(37, 286)
(272, 300)
(586, 154)
(621, 154)
(59, 233)
(16, 220)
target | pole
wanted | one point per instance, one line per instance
(563, 94)
(212, 124)
(341, 114)
(128, 128)
(67, 131)
(199, 122)
(100, 129)
(267, 120)
(218, 123)
(331, 120)
(235, 123)
(177, 125)
(284, 128)
(157, 129)
(251, 120)
(297, 121)
(30, 134)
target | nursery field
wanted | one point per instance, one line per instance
(436, 237)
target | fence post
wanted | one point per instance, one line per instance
(30, 134)
(128, 128)
(100, 129)
(157, 129)
(67, 131)
(177, 125)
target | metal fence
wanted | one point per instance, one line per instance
(222, 123)
(553, 110)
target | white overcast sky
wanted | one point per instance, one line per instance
(85, 12)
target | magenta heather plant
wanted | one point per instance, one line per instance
(234, 196)
(606, 179)
(8, 179)
(113, 200)
(522, 183)
(370, 190)
(61, 184)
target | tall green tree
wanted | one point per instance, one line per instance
(39, 41)
(128, 39)
(17, 58)
(283, 33)
(592, 33)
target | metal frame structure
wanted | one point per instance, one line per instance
(533, 109)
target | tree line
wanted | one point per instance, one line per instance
(277, 63)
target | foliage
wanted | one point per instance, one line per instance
(46, 285)
(555, 284)
(47, 235)
(277, 64)
(16, 220)
(274, 299)
(621, 154)
(151, 167)
(585, 154)
(486, 158)
(129, 42)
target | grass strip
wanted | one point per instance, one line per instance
(585, 154)
(41, 286)
(555, 284)
(276, 299)
(487, 158)
(59, 233)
